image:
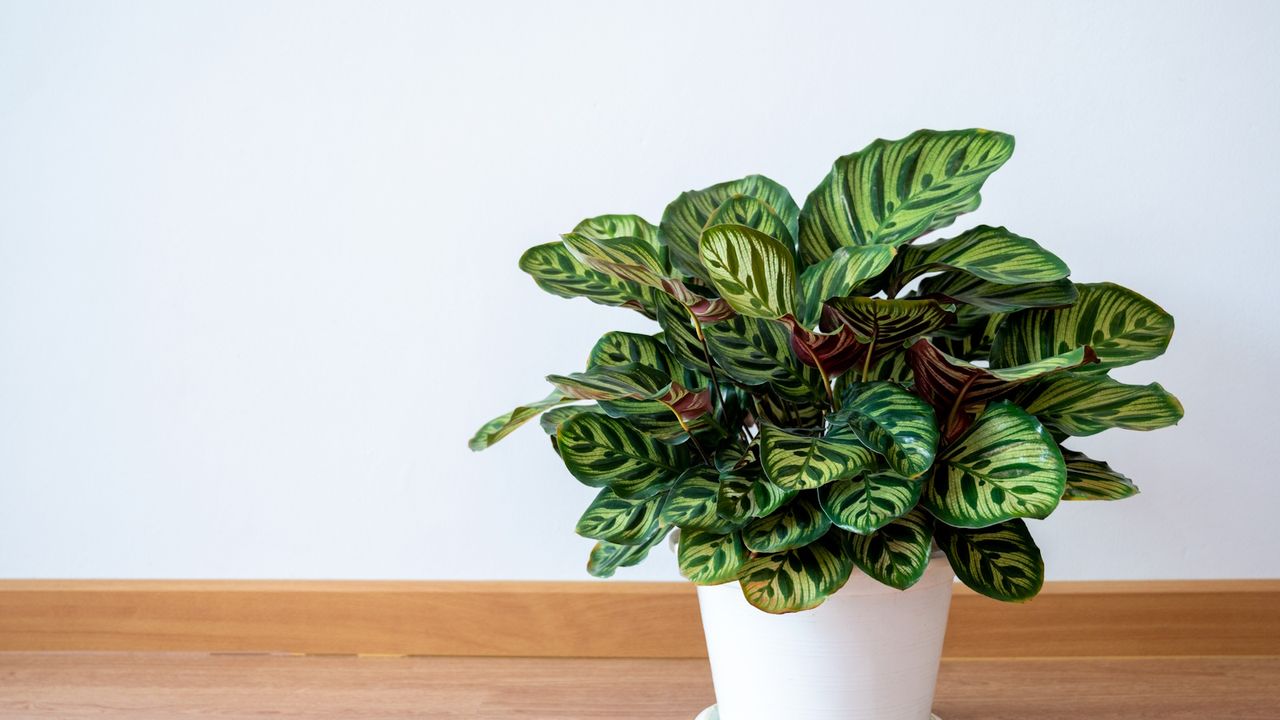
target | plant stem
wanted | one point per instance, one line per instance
(866, 364)
(955, 406)
(706, 354)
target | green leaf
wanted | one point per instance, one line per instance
(603, 382)
(608, 227)
(679, 334)
(746, 493)
(558, 272)
(754, 352)
(772, 409)
(1005, 466)
(691, 501)
(607, 557)
(894, 423)
(754, 273)
(502, 426)
(653, 418)
(1120, 325)
(1075, 404)
(794, 525)
(686, 217)
(839, 275)
(619, 349)
(622, 521)
(969, 337)
(1001, 561)
(887, 325)
(755, 214)
(798, 579)
(600, 450)
(892, 192)
(796, 461)
(708, 558)
(898, 553)
(552, 419)
(997, 298)
(869, 501)
(1089, 479)
(989, 253)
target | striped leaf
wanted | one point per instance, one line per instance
(892, 422)
(619, 520)
(552, 419)
(1089, 479)
(898, 553)
(755, 214)
(619, 349)
(838, 275)
(608, 227)
(708, 558)
(996, 297)
(1005, 466)
(887, 325)
(603, 382)
(798, 579)
(503, 425)
(746, 493)
(687, 216)
(1120, 325)
(772, 409)
(989, 253)
(754, 273)
(755, 352)
(607, 557)
(870, 501)
(796, 461)
(969, 337)
(599, 450)
(832, 353)
(557, 271)
(653, 418)
(691, 501)
(1001, 561)
(794, 525)
(892, 192)
(680, 334)
(1075, 404)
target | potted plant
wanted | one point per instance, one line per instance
(827, 409)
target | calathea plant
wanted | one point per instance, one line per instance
(822, 394)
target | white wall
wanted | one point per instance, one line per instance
(258, 273)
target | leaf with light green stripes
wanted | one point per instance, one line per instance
(1001, 561)
(1120, 325)
(691, 501)
(619, 520)
(754, 352)
(619, 349)
(686, 217)
(1004, 466)
(756, 214)
(794, 525)
(603, 382)
(772, 409)
(893, 422)
(607, 557)
(653, 418)
(746, 493)
(607, 227)
(969, 337)
(989, 253)
(679, 334)
(798, 579)
(868, 502)
(1075, 404)
(798, 461)
(886, 325)
(557, 271)
(625, 258)
(1089, 479)
(503, 425)
(997, 298)
(754, 273)
(599, 450)
(894, 191)
(552, 419)
(898, 553)
(838, 275)
(708, 558)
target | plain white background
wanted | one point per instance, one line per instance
(258, 277)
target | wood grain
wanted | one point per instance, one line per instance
(156, 686)
(593, 619)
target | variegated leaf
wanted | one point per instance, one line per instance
(599, 450)
(746, 493)
(1120, 325)
(887, 325)
(607, 557)
(1075, 404)
(997, 298)
(653, 418)
(870, 501)
(552, 419)
(898, 553)
(772, 409)
(798, 579)
(832, 353)
(503, 425)
(754, 352)
(709, 558)
(892, 422)
(1005, 466)
(608, 227)
(838, 275)
(686, 217)
(1089, 479)
(619, 349)
(603, 382)
(557, 271)
(691, 501)
(796, 461)
(794, 525)
(989, 253)
(892, 192)
(619, 520)
(755, 214)
(680, 334)
(969, 337)
(1001, 561)
(754, 273)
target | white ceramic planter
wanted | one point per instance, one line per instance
(869, 652)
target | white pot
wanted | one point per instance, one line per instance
(869, 652)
